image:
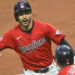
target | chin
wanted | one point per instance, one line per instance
(26, 25)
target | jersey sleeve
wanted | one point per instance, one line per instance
(6, 41)
(54, 34)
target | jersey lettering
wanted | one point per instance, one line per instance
(72, 70)
(35, 44)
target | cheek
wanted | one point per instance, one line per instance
(30, 16)
(20, 17)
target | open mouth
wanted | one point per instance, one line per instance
(25, 21)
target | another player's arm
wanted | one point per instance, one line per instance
(64, 42)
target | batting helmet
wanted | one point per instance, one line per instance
(21, 6)
(64, 55)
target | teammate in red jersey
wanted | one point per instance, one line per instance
(68, 70)
(31, 39)
(65, 57)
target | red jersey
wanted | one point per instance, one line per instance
(68, 70)
(34, 48)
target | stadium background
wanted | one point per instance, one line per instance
(60, 13)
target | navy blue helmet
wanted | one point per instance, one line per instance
(64, 55)
(21, 6)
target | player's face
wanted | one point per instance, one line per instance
(24, 18)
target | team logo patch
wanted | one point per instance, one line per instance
(19, 37)
(1, 38)
(58, 32)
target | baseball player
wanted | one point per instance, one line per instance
(64, 56)
(31, 39)
(68, 70)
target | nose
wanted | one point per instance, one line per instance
(24, 16)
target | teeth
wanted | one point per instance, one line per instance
(24, 20)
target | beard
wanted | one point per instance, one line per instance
(25, 22)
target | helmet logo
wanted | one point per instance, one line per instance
(67, 61)
(22, 5)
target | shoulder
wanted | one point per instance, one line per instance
(42, 24)
(14, 29)
(67, 70)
